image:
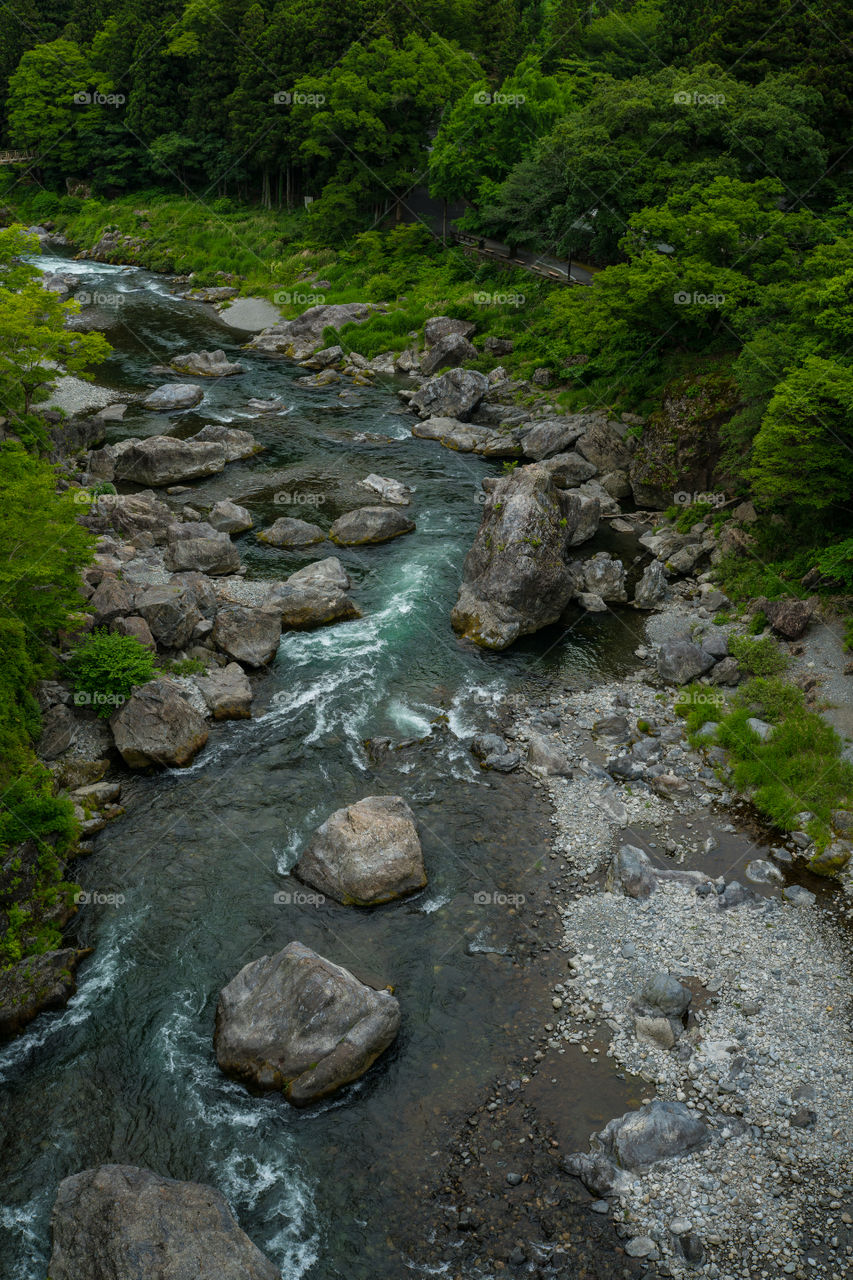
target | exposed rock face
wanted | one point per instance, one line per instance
(135, 626)
(118, 1222)
(632, 871)
(438, 327)
(133, 516)
(516, 577)
(157, 726)
(228, 517)
(112, 597)
(455, 394)
(162, 460)
(170, 612)
(172, 396)
(198, 546)
(36, 983)
(290, 532)
(296, 1022)
(307, 604)
(237, 444)
(789, 618)
(206, 364)
(448, 352)
(365, 854)
(304, 335)
(250, 636)
(569, 469)
(546, 756)
(679, 448)
(603, 444)
(227, 692)
(369, 524)
(464, 437)
(680, 661)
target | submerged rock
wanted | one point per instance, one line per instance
(298, 1023)
(118, 1222)
(365, 854)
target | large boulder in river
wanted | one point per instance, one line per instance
(36, 983)
(158, 726)
(296, 1022)
(249, 636)
(322, 573)
(556, 435)
(455, 394)
(287, 531)
(516, 577)
(305, 605)
(236, 443)
(172, 396)
(369, 524)
(119, 1222)
(197, 545)
(449, 352)
(603, 443)
(227, 692)
(163, 460)
(227, 517)
(366, 853)
(604, 575)
(206, 364)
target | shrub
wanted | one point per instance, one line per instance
(106, 669)
(758, 657)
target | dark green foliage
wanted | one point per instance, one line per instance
(758, 657)
(107, 667)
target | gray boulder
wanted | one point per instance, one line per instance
(322, 573)
(228, 517)
(112, 598)
(448, 352)
(157, 726)
(196, 545)
(290, 532)
(680, 661)
(663, 993)
(300, 1024)
(311, 604)
(650, 591)
(303, 336)
(569, 469)
(556, 435)
(603, 444)
(236, 443)
(172, 396)
(494, 752)
(365, 854)
(632, 871)
(516, 577)
(249, 636)
(546, 756)
(118, 1222)
(170, 612)
(393, 491)
(227, 692)
(604, 575)
(135, 516)
(369, 525)
(455, 394)
(206, 364)
(162, 460)
(658, 1131)
(437, 328)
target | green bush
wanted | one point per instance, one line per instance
(106, 669)
(758, 657)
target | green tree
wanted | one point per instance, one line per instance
(803, 452)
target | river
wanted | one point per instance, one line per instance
(126, 1072)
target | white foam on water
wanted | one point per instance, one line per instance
(407, 718)
(434, 904)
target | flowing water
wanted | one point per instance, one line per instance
(126, 1072)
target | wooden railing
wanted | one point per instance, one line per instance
(15, 157)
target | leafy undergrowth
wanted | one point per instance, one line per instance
(758, 657)
(798, 769)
